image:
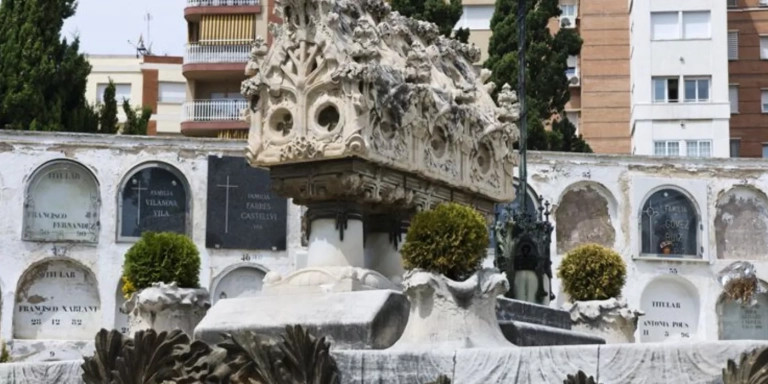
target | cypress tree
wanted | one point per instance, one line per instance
(108, 119)
(136, 120)
(445, 14)
(42, 76)
(547, 89)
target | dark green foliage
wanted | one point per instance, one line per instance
(83, 119)
(445, 14)
(450, 239)
(136, 121)
(42, 77)
(4, 355)
(592, 272)
(161, 257)
(547, 89)
(751, 369)
(442, 379)
(108, 114)
(579, 378)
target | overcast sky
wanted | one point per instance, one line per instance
(106, 26)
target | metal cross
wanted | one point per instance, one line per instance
(228, 186)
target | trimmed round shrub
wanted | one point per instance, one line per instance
(450, 239)
(592, 272)
(161, 258)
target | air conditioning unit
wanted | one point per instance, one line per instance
(574, 81)
(567, 22)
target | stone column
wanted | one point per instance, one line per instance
(335, 235)
(384, 235)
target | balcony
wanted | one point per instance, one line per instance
(195, 8)
(217, 59)
(209, 117)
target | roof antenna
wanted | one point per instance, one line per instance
(141, 48)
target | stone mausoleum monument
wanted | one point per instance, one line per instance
(367, 117)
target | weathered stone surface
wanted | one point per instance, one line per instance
(741, 224)
(535, 335)
(49, 350)
(739, 321)
(516, 310)
(352, 79)
(452, 314)
(359, 320)
(610, 319)
(583, 216)
(64, 372)
(671, 306)
(166, 307)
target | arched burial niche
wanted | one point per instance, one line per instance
(62, 203)
(671, 305)
(583, 216)
(741, 225)
(241, 280)
(153, 197)
(58, 300)
(743, 322)
(669, 225)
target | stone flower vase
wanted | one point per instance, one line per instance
(610, 319)
(165, 307)
(452, 314)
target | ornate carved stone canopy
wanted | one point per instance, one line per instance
(350, 79)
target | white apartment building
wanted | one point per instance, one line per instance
(679, 78)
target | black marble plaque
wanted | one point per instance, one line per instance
(670, 225)
(154, 199)
(242, 211)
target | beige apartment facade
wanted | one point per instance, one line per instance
(153, 81)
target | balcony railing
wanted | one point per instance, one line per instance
(213, 110)
(220, 3)
(229, 51)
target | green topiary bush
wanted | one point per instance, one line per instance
(592, 272)
(450, 239)
(161, 257)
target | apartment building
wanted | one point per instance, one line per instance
(679, 78)
(748, 68)
(153, 81)
(220, 33)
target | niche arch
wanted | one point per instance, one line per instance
(672, 307)
(741, 224)
(62, 203)
(670, 224)
(742, 322)
(584, 214)
(153, 196)
(57, 299)
(239, 280)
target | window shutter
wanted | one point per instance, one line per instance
(733, 97)
(733, 45)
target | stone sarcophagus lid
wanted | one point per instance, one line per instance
(355, 102)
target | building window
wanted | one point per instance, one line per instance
(698, 148)
(696, 25)
(665, 26)
(669, 225)
(122, 92)
(735, 147)
(696, 90)
(574, 117)
(666, 148)
(733, 3)
(733, 97)
(569, 10)
(764, 47)
(666, 89)
(765, 151)
(733, 45)
(169, 92)
(764, 100)
(476, 17)
(680, 25)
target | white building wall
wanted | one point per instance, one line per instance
(679, 58)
